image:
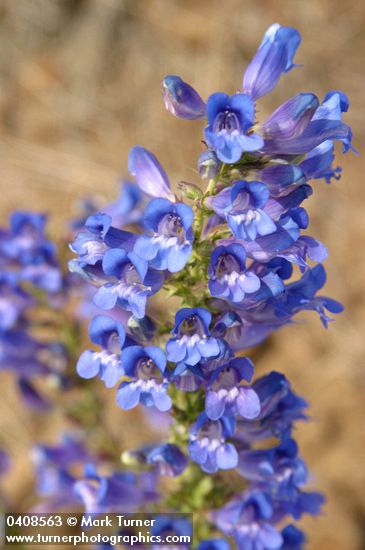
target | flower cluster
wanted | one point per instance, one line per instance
(31, 282)
(235, 255)
(60, 488)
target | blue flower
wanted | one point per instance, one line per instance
(110, 335)
(318, 163)
(20, 354)
(208, 446)
(242, 205)
(225, 394)
(97, 237)
(270, 275)
(282, 177)
(145, 367)
(70, 450)
(28, 254)
(53, 465)
(214, 544)
(167, 458)
(301, 124)
(228, 276)
(150, 176)
(113, 493)
(181, 99)
(134, 282)
(280, 408)
(239, 329)
(274, 57)
(294, 538)
(229, 129)
(126, 209)
(208, 164)
(290, 119)
(301, 295)
(287, 231)
(192, 340)
(170, 245)
(276, 467)
(14, 301)
(304, 247)
(248, 519)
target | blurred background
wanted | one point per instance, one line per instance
(80, 84)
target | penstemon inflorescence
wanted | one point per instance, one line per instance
(231, 264)
(227, 252)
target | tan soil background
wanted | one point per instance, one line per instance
(80, 84)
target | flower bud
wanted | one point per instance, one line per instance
(208, 165)
(181, 99)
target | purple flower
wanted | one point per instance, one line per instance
(26, 246)
(131, 282)
(208, 446)
(301, 124)
(287, 231)
(145, 367)
(281, 177)
(248, 519)
(225, 394)
(167, 458)
(214, 544)
(110, 336)
(150, 176)
(191, 341)
(228, 276)
(14, 301)
(280, 408)
(294, 538)
(242, 205)
(276, 467)
(274, 57)
(290, 119)
(230, 121)
(119, 491)
(170, 244)
(53, 465)
(97, 237)
(181, 99)
(208, 164)
(126, 209)
(318, 163)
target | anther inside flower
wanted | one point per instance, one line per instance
(170, 244)
(130, 276)
(229, 278)
(171, 226)
(229, 130)
(227, 379)
(192, 326)
(147, 369)
(228, 120)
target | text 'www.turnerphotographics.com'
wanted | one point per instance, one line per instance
(85, 529)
